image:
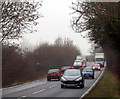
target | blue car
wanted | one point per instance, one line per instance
(88, 72)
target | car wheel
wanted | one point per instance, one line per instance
(59, 79)
(62, 86)
(92, 77)
(82, 86)
(48, 79)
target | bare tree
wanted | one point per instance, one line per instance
(17, 18)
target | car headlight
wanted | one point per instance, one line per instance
(78, 79)
(63, 79)
(98, 67)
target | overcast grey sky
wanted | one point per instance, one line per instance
(56, 23)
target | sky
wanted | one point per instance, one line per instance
(56, 23)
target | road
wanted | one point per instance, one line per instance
(43, 88)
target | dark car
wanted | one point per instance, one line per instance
(79, 67)
(96, 67)
(88, 72)
(53, 74)
(63, 69)
(72, 78)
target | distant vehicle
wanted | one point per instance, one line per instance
(77, 63)
(72, 78)
(88, 72)
(78, 57)
(63, 69)
(99, 59)
(89, 65)
(96, 67)
(53, 74)
(84, 62)
(82, 59)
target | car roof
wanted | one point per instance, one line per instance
(53, 69)
(96, 64)
(73, 69)
(66, 66)
(88, 67)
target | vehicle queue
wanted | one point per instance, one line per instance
(74, 76)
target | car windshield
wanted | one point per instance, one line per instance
(99, 59)
(77, 60)
(87, 69)
(96, 65)
(66, 67)
(72, 73)
(89, 65)
(52, 71)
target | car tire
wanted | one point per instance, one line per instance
(48, 79)
(62, 86)
(59, 78)
(82, 86)
(92, 77)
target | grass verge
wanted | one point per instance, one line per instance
(106, 88)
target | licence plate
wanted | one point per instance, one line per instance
(86, 75)
(70, 84)
(52, 74)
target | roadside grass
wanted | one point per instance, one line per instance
(23, 82)
(106, 88)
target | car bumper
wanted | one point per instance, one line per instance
(96, 69)
(53, 77)
(71, 83)
(88, 75)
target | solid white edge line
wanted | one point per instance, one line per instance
(87, 92)
(38, 91)
(24, 96)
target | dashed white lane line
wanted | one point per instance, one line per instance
(38, 91)
(24, 96)
(52, 86)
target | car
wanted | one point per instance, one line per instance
(89, 65)
(77, 63)
(96, 67)
(79, 67)
(64, 68)
(72, 78)
(88, 72)
(53, 74)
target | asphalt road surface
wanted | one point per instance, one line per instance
(49, 89)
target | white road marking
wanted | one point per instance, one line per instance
(93, 85)
(52, 86)
(38, 91)
(24, 96)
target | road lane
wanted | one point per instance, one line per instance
(67, 92)
(50, 89)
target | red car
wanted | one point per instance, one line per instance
(96, 67)
(84, 63)
(53, 74)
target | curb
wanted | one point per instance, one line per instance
(90, 89)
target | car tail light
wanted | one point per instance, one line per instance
(58, 74)
(93, 67)
(98, 67)
(48, 73)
